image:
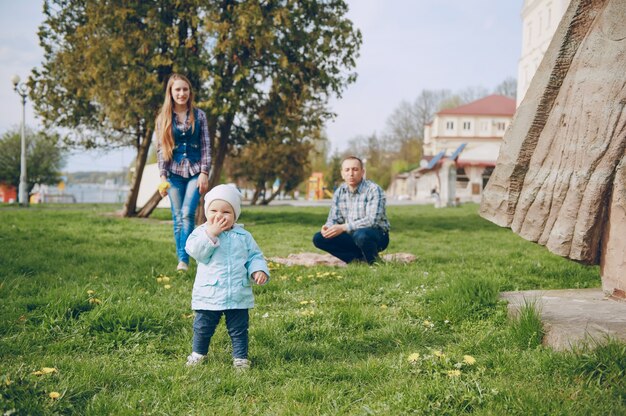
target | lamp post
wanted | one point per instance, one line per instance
(22, 90)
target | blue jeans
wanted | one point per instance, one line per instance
(237, 322)
(184, 197)
(362, 244)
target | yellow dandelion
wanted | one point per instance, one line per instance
(426, 323)
(304, 302)
(54, 395)
(48, 370)
(282, 277)
(167, 286)
(159, 279)
(187, 315)
(163, 186)
(383, 306)
(37, 373)
(166, 279)
(299, 279)
(469, 360)
(454, 373)
(91, 292)
(413, 358)
(95, 301)
(439, 354)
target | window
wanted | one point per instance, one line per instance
(467, 125)
(449, 125)
(462, 180)
(500, 125)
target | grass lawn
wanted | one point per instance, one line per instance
(92, 309)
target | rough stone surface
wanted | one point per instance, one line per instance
(557, 179)
(315, 259)
(613, 262)
(574, 317)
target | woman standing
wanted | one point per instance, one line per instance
(184, 156)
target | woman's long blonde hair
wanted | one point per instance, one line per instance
(164, 118)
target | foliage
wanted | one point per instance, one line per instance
(527, 329)
(44, 158)
(604, 365)
(91, 301)
(261, 163)
(508, 88)
(466, 297)
(257, 68)
(400, 146)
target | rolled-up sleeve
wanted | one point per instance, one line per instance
(164, 165)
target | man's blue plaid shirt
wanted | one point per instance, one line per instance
(363, 208)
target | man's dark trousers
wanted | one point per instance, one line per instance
(362, 244)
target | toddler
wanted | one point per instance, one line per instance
(228, 261)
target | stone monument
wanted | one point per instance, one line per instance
(560, 178)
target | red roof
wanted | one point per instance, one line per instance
(492, 105)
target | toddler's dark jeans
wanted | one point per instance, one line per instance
(237, 322)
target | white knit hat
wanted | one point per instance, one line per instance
(226, 193)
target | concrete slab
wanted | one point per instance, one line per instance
(573, 317)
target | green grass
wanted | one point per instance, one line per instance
(82, 291)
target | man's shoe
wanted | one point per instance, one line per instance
(182, 266)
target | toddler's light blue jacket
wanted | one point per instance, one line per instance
(223, 279)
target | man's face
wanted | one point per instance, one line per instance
(352, 172)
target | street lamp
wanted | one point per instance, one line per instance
(22, 90)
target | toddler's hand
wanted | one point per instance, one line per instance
(215, 227)
(259, 277)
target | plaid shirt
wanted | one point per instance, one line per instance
(363, 208)
(187, 169)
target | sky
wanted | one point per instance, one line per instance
(408, 46)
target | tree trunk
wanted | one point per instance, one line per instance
(274, 195)
(130, 207)
(217, 163)
(150, 205)
(255, 196)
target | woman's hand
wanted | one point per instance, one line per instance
(163, 186)
(203, 183)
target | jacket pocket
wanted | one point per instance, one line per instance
(210, 281)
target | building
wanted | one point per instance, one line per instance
(8, 193)
(540, 19)
(470, 136)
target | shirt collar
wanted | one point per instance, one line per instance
(359, 188)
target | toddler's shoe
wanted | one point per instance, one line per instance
(241, 363)
(182, 266)
(194, 359)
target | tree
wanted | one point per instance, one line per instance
(44, 158)
(106, 63)
(105, 67)
(508, 88)
(264, 162)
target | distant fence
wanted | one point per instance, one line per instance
(88, 193)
